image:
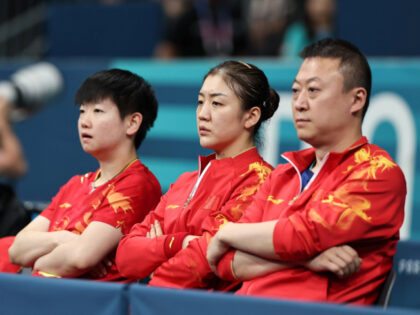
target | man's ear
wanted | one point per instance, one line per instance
(134, 122)
(252, 116)
(359, 96)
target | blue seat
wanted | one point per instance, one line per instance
(406, 290)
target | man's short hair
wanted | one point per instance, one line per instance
(130, 92)
(353, 64)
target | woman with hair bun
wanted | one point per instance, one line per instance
(170, 244)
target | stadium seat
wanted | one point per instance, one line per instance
(386, 290)
(406, 289)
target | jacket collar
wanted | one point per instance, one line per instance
(302, 159)
(237, 161)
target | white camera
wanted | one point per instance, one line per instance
(30, 88)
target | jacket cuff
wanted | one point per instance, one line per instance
(225, 268)
(173, 243)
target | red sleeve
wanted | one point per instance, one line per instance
(49, 211)
(252, 214)
(244, 192)
(173, 243)
(5, 264)
(224, 267)
(138, 256)
(127, 201)
(189, 268)
(368, 205)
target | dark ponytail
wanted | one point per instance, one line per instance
(270, 106)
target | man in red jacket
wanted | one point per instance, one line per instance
(343, 190)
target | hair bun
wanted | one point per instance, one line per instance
(270, 105)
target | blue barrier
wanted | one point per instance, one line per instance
(147, 301)
(22, 294)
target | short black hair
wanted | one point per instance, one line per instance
(353, 64)
(130, 92)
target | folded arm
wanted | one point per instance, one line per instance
(186, 269)
(79, 255)
(340, 260)
(237, 236)
(35, 241)
(245, 266)
(138, 253)
(189, 267)
(242, 265)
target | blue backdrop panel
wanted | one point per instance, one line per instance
(150, 301)
(406, 290)
(129, 30)
(21, 294)
(380, 27)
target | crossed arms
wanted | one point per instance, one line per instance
(256, 256)
(64, 253)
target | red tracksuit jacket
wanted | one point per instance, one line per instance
(225, 190)
(356, 198)
(121, 202)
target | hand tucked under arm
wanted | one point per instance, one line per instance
(101, 269)
(35, 241)
(155, 230)
(188, 268)
(216, 249)
(341, 260)
(188, 239)
(80, 255)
